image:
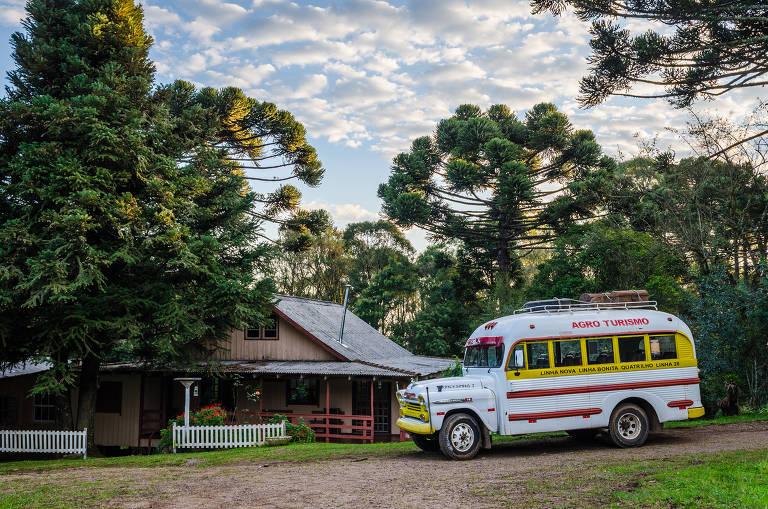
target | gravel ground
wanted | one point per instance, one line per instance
(417, 479)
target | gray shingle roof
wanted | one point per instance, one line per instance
(361, 342)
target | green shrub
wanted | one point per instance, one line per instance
(211, 415)
(298, 432)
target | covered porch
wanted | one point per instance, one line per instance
(340, 401)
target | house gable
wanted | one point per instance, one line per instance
(293, 343)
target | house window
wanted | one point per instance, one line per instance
(43, 408)
(302, 391)
(109, 398)
(7, 411)
(270, 330)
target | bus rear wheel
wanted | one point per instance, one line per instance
(428, 443)
(628, 426)
(460, 437)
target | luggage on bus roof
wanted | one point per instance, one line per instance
(615, 296)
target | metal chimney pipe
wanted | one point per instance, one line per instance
(344, 313)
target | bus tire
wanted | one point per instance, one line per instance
(628, 426)
(460, 437)
(583, 435)
(428, 443)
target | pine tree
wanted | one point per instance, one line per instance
(126, 221)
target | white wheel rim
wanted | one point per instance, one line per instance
(462, 437)
(629, 426)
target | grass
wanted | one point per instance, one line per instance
(725, 480)
(733, 479)
(291, 452)
(761, 415)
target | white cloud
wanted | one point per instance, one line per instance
(378, 73)
(12, 12)
(344, 213)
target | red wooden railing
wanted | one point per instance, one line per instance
(325, 426)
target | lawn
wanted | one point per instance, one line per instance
(712, 479)
(733, 479)
(725, 480)
(291, 452)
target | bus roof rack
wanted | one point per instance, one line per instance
(569, 306)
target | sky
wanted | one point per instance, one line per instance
(366, 77)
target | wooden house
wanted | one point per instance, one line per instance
(296, 366)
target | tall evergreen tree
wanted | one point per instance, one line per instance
(488, 180)
(126, 223)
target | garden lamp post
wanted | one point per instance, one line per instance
(187, 383)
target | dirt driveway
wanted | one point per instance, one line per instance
(413, 479)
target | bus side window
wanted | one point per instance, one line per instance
(538, 355)
(631, 348)
(663, 347)
(600, 351)
(567, 353)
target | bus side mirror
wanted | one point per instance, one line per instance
(519, 362)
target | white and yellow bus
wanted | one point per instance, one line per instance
(623, 369)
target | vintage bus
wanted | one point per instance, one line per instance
(619, 368)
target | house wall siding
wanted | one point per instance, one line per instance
(121, 429)
(18, 387)
(291, 345)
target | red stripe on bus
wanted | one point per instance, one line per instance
(682, 404)
(555, 415)
(600, 388)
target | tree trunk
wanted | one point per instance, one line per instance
(86, 399)
(502, 258)
(64, 404)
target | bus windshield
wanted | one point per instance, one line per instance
(483, 356)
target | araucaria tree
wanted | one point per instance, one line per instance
(497, 184)
(716, 47)
(126, 222)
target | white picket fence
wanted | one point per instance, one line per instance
(224, 437)
(62, 442)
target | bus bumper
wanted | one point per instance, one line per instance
(693, 413)
(411, 426)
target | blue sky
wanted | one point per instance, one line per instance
(367, 76)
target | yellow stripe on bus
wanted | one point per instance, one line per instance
(596, 369)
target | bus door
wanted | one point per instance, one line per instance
(527, 361)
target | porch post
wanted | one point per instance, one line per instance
(261, 385)
(372, 426)
(141, 411)
(327, 408)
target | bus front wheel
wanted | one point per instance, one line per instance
(460, 437)
(628, 426)
(428, 443)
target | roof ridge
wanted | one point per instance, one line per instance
(307, 299)
(384, 366)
